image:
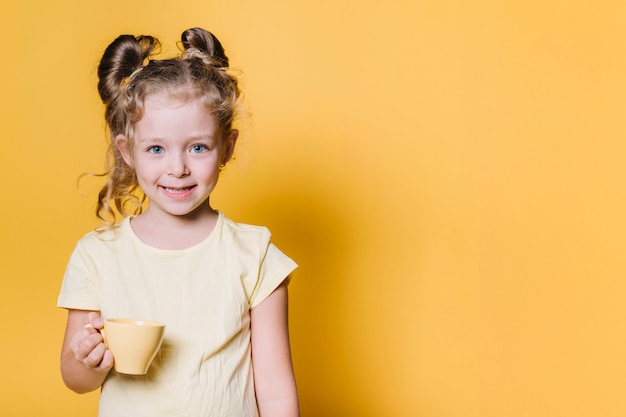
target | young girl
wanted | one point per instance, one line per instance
(219, 286)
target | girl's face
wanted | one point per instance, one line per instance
(177, 152)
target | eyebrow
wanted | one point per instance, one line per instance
(157, 139)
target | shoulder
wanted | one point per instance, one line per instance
(254, 242)
(244, 232)
(101, 238)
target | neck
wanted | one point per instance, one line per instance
(174, 232)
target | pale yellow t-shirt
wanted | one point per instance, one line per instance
(203, 294)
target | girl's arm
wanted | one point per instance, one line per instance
(274, 379)
(85, 362)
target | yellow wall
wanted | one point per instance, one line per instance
(449, 175)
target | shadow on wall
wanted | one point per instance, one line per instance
(315, 229)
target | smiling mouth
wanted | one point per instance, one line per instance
(178, 192)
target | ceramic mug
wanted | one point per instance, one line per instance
(134, 343)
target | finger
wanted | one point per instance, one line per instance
(95, 320)
(90, 317)
(95, 356)
(107, 360)
(88, 330)
(80, 339)
(86, 344)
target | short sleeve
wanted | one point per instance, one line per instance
(79, 290)
(274, 269)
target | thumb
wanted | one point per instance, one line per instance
(95, 320)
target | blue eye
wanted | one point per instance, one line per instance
(156, 150)
(199, 148)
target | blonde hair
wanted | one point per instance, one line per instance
(127, 76)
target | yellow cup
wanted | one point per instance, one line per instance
(134, 343)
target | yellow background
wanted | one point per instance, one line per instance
(448, 174)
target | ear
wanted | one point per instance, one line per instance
(229, 146)
(123, 146)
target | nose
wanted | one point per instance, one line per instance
(177, 167)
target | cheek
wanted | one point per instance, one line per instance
(204, 166)
(208, 171)
(145, 171)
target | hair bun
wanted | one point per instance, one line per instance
(203, 44)
(121, 58)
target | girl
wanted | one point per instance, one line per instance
(219, 286)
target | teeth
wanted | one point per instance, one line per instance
(176, 190)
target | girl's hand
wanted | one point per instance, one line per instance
(85, 361)
(88, 346)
